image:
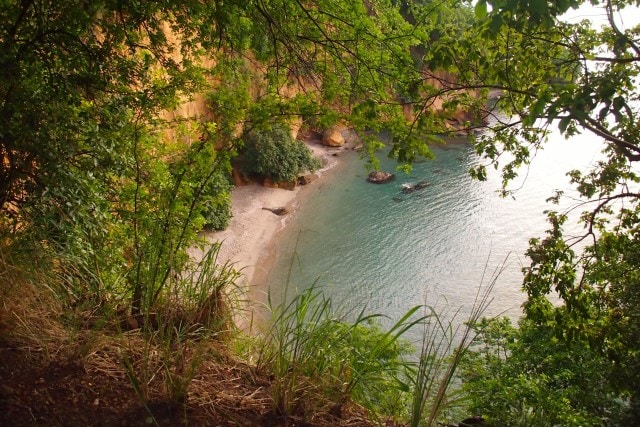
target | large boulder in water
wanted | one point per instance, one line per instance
(380, 177)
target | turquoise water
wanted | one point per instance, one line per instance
(371, 246)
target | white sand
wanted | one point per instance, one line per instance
(252, 229)
(249, 240)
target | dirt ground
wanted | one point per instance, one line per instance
(37, 390)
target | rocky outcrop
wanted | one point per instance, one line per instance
(333, 137)
(462, 122)
(310, 135)
(240, 178)
(352, 138)
(380, 177)
(285, 185)
(307, 179)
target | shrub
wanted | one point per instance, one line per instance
(534, 378)
(216, 204)
(274, 154)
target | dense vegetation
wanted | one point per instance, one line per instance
(104, 186)
(573, 360)
(274, 154)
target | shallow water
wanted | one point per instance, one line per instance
(374, 246)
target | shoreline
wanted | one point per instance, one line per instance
(250, 240)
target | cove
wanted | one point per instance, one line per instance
(379, 248)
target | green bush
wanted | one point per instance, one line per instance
(276, 155)
(216, 204)
(527, 376)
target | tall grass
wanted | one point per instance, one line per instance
(314, 354)
(194, 309)
(444, 342)
(319, 360)
(320, 357)
(30, 310)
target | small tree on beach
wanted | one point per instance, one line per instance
(273, 153)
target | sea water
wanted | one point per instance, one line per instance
(377, 248)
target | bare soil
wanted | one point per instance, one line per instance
(61, 391)
(68, 367)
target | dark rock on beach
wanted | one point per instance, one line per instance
(307, 179)
(277, 211)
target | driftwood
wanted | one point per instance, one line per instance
(277, 211)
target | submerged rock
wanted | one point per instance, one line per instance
(410, 188)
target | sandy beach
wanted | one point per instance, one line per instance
(248, 241)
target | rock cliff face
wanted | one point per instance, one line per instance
(443, 80)
(335, 136)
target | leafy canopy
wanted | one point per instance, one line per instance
(581, 307)
(97, 164)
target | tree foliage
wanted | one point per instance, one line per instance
(94, 163)
(274, 154)
(527, 376)
(580, 317)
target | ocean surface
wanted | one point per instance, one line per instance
(376, 248)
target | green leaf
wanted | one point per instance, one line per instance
(619, 103)
(480, 9)
(538, 7)
(496, 24)
(564, 122)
